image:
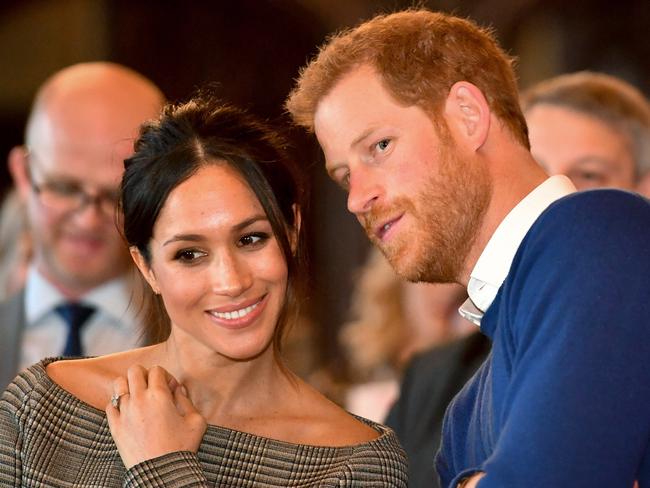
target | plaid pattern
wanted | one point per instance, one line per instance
(48, 437)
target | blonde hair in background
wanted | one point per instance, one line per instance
(15, 244)
(393, 319)
(373, 340)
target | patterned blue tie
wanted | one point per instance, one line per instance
(75, 315)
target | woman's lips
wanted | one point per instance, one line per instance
(239, 315)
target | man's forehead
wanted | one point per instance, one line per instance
(359, 99)
(344, 113)
(356, 80)
(56, 138)
(98, 164)
(105, 153)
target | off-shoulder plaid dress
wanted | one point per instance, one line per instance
(48, 437)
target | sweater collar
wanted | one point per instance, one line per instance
(494, 262)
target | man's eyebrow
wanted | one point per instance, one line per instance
(334, 167)
(363, 135)
(198, 237)
(594, 158)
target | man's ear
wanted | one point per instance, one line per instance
(294, 233)
(468, 112)
(17, 162)
(144, 268)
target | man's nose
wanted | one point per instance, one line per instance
(364, 190)
(90, 213)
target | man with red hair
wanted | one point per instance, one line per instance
(418, 117)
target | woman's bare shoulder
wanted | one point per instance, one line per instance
(331, 425)
(91, 379)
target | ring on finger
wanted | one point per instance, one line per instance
(115, 399)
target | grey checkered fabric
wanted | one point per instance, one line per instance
(50, 438)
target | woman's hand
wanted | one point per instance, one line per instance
(152, 416)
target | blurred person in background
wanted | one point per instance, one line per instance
(592, 127)
(15, 245)
(393, 319)
(78, 297)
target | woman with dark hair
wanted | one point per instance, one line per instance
(211, 212)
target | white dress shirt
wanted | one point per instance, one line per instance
(112, 328)
(494, 262)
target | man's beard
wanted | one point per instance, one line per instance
(445, 218)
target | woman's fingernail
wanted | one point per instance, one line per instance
(183, 390)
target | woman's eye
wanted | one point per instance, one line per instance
(188, 255)
(253, 239)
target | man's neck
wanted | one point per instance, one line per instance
(513, 177)
(72, 290)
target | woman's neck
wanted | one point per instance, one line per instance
(221, 387)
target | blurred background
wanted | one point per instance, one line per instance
(252, 50)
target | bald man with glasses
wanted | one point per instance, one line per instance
(79, 297)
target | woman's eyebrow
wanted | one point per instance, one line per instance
(198, 237)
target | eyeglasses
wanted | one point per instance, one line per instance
(64, 196)
(68, 196)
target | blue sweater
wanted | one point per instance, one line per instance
(564, 398)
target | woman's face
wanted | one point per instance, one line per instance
(217, 265)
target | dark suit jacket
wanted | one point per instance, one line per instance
(431, 380)
(12, 323)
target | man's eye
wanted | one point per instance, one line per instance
(383, 145)
(591, 176)
(63, 188)
(588, 179)
(188, 255)
(344, 181)
(251, 240)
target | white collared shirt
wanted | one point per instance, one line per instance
(112, 328)
(494, 262)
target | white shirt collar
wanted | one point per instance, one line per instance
(494, 262)
(113, 298)
(40, 296)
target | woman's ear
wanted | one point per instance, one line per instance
(468, 112)
(145, 269)
(294, 233)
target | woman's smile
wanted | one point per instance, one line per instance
(217, 264)
(238, 316)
